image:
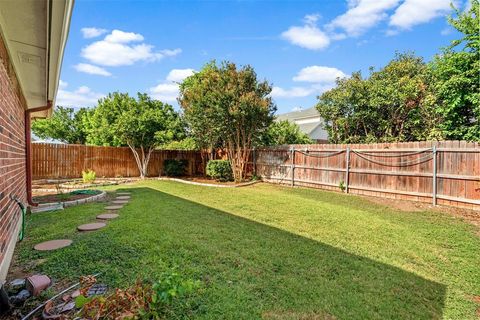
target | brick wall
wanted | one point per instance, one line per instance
(12, 159)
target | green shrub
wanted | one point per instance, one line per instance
(174, 168)
(220, 170)
(89, 176)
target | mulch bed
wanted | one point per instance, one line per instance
(70, 196)
(207, 180)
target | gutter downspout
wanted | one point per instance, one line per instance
(28, 149)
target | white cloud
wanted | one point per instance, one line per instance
(413, 12)
(295, 92)
(311, 18)
(167, 90)
(119, 36)
(83, 96)
(307, 36)
(177, 75)
(319, 74)
(115, 50)
(62, 84)
(363, 15)
(300, 92)
(170, 53)
(91, 69)
(321, 79)
(446, 31)
(92, 32)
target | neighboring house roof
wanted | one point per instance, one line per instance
(35, 33)
(297, 115)
(308, 128)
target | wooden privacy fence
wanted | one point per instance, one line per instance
(55, 161)
(445, 172)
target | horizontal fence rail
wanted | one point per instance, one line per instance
(444, 172)
(56, 161)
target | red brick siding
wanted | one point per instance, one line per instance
(12, 151)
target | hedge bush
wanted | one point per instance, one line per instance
(220, 170)
(174, 167)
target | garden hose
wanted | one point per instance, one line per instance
(85, 191)
(23, 208)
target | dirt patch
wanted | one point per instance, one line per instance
(69, 196)
(470, 216)
(402, 205)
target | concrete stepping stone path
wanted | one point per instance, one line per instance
(120, 201)
(114, 207)
(107, 216)
(123, 193)
(53, 245)
(91, 226)
(122, 198)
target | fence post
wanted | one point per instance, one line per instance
(292, 164)
(434, 176)
(347, 169)
(254, 156)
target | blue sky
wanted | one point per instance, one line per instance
(298, 46)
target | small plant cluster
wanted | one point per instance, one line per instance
(220, 170)
(164, 299)
(175, 168)
(88, 176)
(62, 196)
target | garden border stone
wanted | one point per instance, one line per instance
(61, 205)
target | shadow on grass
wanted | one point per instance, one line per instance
(249, 270)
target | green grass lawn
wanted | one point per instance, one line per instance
(274, 252)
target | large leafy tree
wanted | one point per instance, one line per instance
(230, 105)
(197, 102)
(283, 132)
(346, 111)
(100, 122)
(394, 103)
(457, 79)
(65, 125)
(145, 125)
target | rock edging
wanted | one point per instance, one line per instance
(61, 205)
(209, 184)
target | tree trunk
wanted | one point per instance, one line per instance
(142, 162)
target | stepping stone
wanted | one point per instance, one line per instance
(122, 198)
(120, 201)
(91, 226)
(116, 207)
(53, 245)
(123, 193)
(107, 216)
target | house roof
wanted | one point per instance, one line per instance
(308, 128)
(35, 33)
(295, 115)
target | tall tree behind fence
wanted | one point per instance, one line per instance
(54, 161)
(446, 172)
